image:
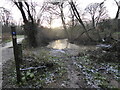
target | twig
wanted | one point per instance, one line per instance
(30, 68)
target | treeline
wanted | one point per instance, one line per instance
(108, 31)
(96, 27)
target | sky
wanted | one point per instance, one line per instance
(110, 5)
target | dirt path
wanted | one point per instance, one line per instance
(75, 78)
(72, 75)
(75, 75)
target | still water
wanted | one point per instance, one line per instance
(64, 44)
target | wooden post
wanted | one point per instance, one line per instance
(20, 53)
(15, 49)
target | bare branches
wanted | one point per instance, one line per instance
(97, 11)
(20, 7)
(116, 2)
(5, 16)
(75, 11)
(118, 11)
(29, 13)
(102, 13)
(92, 8)
(24, 7)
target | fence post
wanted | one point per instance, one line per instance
(16, 52)
(20, 56)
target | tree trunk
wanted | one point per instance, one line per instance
(117, 14)
(30, 27)
(93, 22)
(31, 31)
(99, 37)
(74, 9)
(63, 20)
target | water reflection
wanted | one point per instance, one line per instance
(63, 44)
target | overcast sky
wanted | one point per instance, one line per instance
(110, 5)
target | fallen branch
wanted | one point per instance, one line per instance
(31, 68)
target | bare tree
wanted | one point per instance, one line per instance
(49, 18)
(57, 8)
(118, 11)
(63, 18)
(30, 25)
(72, 23)
(98, 13)
(40, 16)
(117, 17)
(78, 17)
(5, 16)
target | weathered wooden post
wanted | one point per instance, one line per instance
(20, 52)
(16, 57)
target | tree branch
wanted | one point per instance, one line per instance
(20, 7)
(29, 12)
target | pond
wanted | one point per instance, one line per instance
(64, 44)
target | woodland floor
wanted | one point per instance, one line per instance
(63, 69)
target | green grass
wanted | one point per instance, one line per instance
(20, 36)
